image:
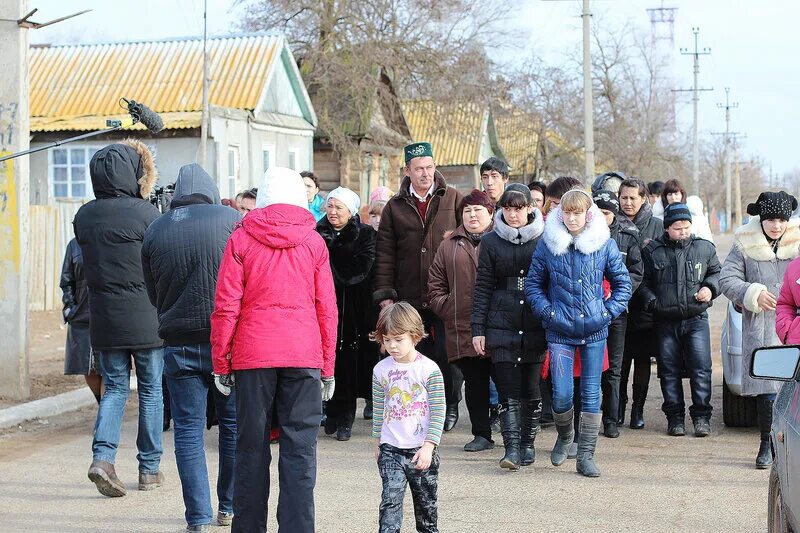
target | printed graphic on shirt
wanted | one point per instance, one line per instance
(405, 400)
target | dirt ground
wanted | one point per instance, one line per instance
(47, 336)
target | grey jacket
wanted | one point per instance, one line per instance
(750, 268)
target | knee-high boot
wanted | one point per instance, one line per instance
(764, 411)
(637, 409)
(587, 442)
(510, 428)
(566, 433)
(531, 413)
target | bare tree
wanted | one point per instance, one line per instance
(428, 49)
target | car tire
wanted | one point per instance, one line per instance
(738, 411)
(777, 521)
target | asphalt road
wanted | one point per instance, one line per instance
(649, 482)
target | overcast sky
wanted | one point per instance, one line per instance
(755, 50)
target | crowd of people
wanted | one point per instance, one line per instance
(275, 311)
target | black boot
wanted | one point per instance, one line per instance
(566, 433)
(509, 422)
(451, 418)
(623, 404)
(531, 414)
(587, 442)
(637, 408)
(764, 411)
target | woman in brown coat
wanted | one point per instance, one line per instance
(451, 283)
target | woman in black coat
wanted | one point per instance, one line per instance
(504, 326)
(351, 246)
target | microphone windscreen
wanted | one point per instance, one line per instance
(149, 118)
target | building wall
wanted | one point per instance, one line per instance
(464, 178)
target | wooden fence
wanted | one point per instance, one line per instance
(49, 233)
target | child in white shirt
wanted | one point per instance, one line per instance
(408, 417)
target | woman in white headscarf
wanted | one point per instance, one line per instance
(351, 246)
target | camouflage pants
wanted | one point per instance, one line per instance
(397, 471)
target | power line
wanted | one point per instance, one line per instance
(695, 90)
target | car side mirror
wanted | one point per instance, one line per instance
(775, 362)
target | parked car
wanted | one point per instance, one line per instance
(781, 363)
(737, 410)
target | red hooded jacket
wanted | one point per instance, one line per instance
(275, 305)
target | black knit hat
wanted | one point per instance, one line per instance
(676, 212)
(773, 205)
(607, 200)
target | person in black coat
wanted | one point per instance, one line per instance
(682, 274)
(123, 323)
(351, 246)
(78, 360)
(640, 337)
(504, 326)
(627, 239)
(181, 254)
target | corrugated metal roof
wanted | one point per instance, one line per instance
(80, 82)
(454, 130)
(517, 134)
(172, 121)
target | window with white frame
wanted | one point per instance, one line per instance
(233, 171)
(267, 156)
(69, 171)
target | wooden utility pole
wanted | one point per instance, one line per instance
(14, 179)
(588, 111)
(201, 158)
(737, 179)
(727, 106)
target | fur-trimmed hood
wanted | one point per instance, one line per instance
(591, 239)
(526, 233)
(123, 169)
(751, 241)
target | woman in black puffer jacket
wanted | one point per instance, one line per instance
(351, 246)
(504, 326)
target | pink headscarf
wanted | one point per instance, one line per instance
(380, 194)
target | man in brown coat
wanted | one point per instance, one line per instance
(412, 227)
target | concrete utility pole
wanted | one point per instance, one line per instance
(14, 179)
(201, 157)
(727, 106)
(695, 99)
(588, 112)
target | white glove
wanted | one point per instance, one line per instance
(328, 385)
(224, 383)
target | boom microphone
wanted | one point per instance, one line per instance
(141, 113)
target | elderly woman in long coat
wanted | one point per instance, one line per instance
(751, 278)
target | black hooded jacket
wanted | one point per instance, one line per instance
(110, 230)
(627, 240)
(181, 254)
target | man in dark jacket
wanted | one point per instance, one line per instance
(413, 225)
(181, 254)
(681, 280)
(627, 240)
(123, 322)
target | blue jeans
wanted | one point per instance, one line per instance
(189, 378)
(116, 368)
(562, 360)
(494, 398)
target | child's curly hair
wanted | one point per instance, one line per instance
(397, 319)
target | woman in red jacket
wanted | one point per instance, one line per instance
(273, 335)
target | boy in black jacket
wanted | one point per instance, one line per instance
(681, 280)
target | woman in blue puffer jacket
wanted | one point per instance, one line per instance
(565, 289)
